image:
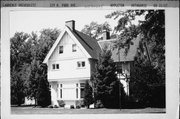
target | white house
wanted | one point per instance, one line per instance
(72, 59)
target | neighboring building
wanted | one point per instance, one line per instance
(72, 60)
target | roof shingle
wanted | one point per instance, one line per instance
(90, 44)
(123, 56)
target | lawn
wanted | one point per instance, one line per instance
(36, 110)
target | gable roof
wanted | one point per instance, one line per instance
(123, 57)
(90, 45)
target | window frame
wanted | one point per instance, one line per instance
(81, 64)
(82, 89)
(77, 92)
(55, 66)
(60, 91)
(74, 47)
(61, 49)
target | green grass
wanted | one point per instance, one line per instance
(36, 110)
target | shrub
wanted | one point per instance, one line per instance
(55, 106)
(88, 97)
(72, 107)
(43, 95)
(99, 104)
(147, 86)
(79, 103)
(61, 103)
(50, 106)
(78, 107)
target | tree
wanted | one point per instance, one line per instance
(43, 95)
(40, 48)
(19, 59)
(88, 95)
(27, 54)
(17, 88)
(45, 42)
(106, 83)
(33, 80)
(95, 30)
(147, 86)
(152, 28)
(149, 66)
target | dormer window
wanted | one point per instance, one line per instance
(60, 49)
(81, 64)
(74, 47)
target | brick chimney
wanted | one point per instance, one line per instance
(106, 35)
(70, 24)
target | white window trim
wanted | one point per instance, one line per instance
(74, 48)
(81, 65)
(55, 67)
(83, 87)
(62, 49)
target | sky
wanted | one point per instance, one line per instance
(28, 21)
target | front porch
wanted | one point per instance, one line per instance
(68, 92)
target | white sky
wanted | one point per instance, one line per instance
(36, 20)
(28, 21)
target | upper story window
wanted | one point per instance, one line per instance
(119, 68)
(55, 66)
(80, 64)
(60, 49)
(74, 48)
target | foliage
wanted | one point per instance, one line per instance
(27, 54)
(33, 81)
(61, 103)
(79, 103)
(43, 95)
(88, 96)
(152, 28)
(17, 89)
(95, 30)
(72, 107)
(145, 83)
(106, 84)
(50, 106)
(19, 58)
(99, 104)
(149, 68)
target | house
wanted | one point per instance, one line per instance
(72, 59)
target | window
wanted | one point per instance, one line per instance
(76, 90)
(60, 49)
(81, 64)
(82, 85)
(55, 66)
(73, 47)
(119, 68)
(60, 90)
